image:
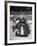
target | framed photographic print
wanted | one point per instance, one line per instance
(20, 22)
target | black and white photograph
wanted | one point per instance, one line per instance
(20, 24)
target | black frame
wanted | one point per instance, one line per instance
(6, 22)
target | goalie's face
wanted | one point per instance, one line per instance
(21, 16)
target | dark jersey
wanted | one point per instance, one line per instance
(22, 22)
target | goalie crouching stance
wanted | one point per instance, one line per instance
(22, 28)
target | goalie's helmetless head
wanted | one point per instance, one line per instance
(23, 20)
